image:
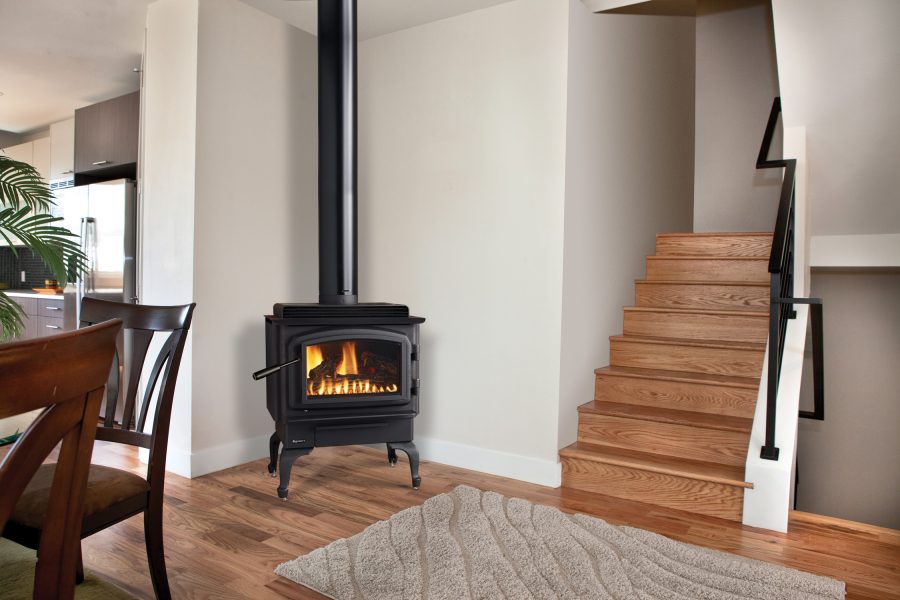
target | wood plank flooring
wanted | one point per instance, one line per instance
(225, 532)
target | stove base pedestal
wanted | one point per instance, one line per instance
(285, 463)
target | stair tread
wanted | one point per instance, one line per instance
(700, 282)
(703, 257)
(680, 376)
(647, 339)
(668, 415)
(715, 234)
(760, 314)
(681, 467)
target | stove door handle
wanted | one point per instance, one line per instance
(262, 373)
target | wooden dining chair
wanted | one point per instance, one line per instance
(115, 494)
(66, 374)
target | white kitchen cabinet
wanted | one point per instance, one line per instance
(21, 152)
(41, 157)
(36, 154)
(62, 149)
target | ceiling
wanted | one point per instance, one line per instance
(56, 56)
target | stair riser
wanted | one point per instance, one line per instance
(718, 245)
(737, 328)
(711, 399)
(717, 361)
(703, 497)
(666, 439)
(706, 269)
(673, 295)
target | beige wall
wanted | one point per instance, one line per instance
(462, 158)
(838, 63)
(737, 80)
(848, 463)
(629, 175)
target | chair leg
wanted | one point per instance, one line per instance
(153, 537)
(79, 567)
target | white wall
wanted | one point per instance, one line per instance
(629, 175)
(839, 77)
(737, 79)
(255, 228)
(167, 213)
(462, 161)
(228, 209)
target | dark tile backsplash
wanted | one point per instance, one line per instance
(12, 265)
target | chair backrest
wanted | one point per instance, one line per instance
(66, 374)
(139, 371)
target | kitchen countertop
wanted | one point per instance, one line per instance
(29, 294)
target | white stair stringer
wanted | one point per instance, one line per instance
(767, 505)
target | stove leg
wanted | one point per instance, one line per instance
(392, 456)
(288, 456)
(273, 453)
(412, 453)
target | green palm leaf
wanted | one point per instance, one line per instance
(25, 200)
(21, 185)
(11, 315)
(56, 246)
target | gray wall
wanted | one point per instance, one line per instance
(737, 79)
(629, 175)
(840, 79)
(7, 138)
(848, 463)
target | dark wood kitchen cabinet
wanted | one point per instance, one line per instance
(43, 315)
(106, 139)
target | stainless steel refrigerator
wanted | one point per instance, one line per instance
(104, 215)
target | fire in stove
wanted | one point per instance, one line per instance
(349, 367)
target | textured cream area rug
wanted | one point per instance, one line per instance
(474, 544)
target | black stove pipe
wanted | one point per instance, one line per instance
(337, 152)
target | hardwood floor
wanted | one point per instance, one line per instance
(225, 532)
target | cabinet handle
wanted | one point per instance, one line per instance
(69, 172)
(100, 162)
(52, 308)
(52, 326)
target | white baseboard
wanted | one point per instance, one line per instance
(495, 462)
(229, 455)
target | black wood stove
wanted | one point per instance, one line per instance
(344, 372)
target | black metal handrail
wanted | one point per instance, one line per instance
(781, 291)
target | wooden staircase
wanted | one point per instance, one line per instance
(671, 416)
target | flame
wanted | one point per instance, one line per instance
(348, 359)
(314, 357)
(345, 379)
(343, 386)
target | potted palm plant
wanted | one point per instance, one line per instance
(25, 220)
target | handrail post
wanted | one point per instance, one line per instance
(769, 450)
(818, 352)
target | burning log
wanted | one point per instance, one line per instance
(378, 368)
(326, 369)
